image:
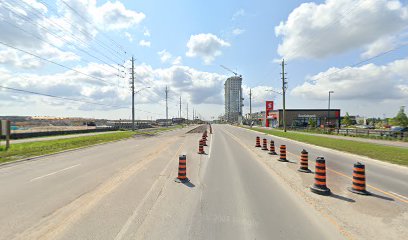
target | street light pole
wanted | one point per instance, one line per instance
(328, 110)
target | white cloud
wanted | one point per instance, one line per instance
(238, 13)
(259, 95)
(177, 60)
(238, 31)
(129, 36)
(164, 55)
(380, 46)
(207, 46)
(320, 30)
(115, 16)
(366, 83)
(197, 87)
(146, 32)
(144, 43)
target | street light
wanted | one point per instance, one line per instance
(133, 106)
(328, 111)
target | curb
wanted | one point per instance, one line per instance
(387, 164)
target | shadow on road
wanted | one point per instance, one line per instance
(189, 184)
(381, 197)
(342, 198)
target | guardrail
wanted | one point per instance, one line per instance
(358, 132)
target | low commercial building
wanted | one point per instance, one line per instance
(304, 118)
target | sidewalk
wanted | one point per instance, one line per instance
(357, 139)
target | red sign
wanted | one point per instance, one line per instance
(269, 106)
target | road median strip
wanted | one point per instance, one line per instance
(31, 150)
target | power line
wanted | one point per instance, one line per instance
(106, 36)
(59, 97)
(58, 64)
(363, 61)
(99, 42)
(31, 21)
(326, 27)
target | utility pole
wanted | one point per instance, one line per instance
(193, 114)
(187, 111)
(284, 95)
(133, 94)
(167, 107)
(250, 107)
(180, 108)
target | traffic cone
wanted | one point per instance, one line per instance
(182, 170)
(201, 147)
(282, 154)
(258, 142)
(204, 140)
(319, 187)
(264, 144)
(359, 182)
(272, 148)
(304, 165)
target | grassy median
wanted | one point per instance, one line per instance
(385, 153)
(30, 149)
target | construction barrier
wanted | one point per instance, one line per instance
(319, 187)
(204, 141)
(264, 144)
(359, 182)
(304, 165)
(201, 147)
(258, 142)
(282, 151)
(182, 170)
(272, 148)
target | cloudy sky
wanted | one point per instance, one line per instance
(81, 49)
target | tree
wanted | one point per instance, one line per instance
(346, 120)
(312, 123)
(401, 119)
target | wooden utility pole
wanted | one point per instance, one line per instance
(250, 107)
(284, 95)
(133, 94)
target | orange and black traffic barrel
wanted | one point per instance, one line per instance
(282, 154)
(258, 142)
(264, 144)
(304, 165)
(204, 140)
(359, 180)
(272, 148)
(182, 169)
(201, 147)
(319, 186)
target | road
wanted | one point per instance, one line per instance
(126, 190)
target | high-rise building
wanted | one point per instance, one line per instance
(233, 99)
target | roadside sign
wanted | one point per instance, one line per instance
(5, 131)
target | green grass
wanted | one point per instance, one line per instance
(390, 154)
(30, 149)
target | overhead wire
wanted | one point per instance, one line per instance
(31, 21)
(58, 64)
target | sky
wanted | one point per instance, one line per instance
(82, 50)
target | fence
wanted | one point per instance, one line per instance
(358, 132)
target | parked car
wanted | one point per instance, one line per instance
(396, 131)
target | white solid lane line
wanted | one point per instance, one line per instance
(53, 173)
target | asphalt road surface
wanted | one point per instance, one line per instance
(126, 190)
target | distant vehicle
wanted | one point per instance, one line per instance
(363, 126)
(395, 131)
(398, 129)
